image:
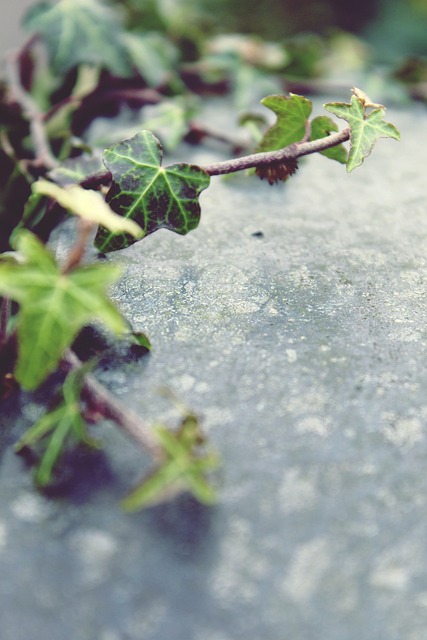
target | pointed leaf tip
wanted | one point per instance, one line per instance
(365, 127)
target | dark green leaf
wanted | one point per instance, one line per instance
(155, 197)
(53, 306)
(141, 340)
(80, 31)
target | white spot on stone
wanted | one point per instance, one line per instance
(313, 424)
(296, 491)
(215, 416)
(421, 599)
(405, 432)
(94, 549)
(291, 355)
(239, 567)
(207, 634)
(307, 569)
(30, 507)
(202, 387)
(390, 577)
(185, 382)
(243, 306)
(109, 634)
(145, 621)
(3, 536)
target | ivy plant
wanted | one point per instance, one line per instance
(62, 83)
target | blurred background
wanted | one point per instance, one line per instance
(392, 27)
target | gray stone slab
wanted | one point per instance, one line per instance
(293, 320)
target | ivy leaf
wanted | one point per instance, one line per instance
(365, 128)
(57, 428)
(168, 120)
(89, 205)
(321, 127)
(80, 31)
(183, 469)
(141, 341)
(155, 197)
(153, 55)
(292, 113)
(53, 307)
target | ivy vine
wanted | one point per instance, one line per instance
(80, 66)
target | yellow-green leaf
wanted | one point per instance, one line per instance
(53, 307)
(365, 127)
(89, 205)
(292, 113)
(184, 468)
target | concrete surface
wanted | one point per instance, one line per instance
(294, 321)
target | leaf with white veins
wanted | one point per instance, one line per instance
(80, 31)
(155, 197)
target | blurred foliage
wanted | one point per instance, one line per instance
(399, 30)
(95, 71)
(267, 18)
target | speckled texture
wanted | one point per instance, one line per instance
(304, 351)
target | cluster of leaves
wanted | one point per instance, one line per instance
(54, 116)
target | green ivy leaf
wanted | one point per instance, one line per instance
(80, 31)
(153, 55)
(365, 128)
(141, 340)
(292, 113)
(57, 428)
(183, 469)
(168, 120)
(321, 127)
(53, 307)
(155, 197)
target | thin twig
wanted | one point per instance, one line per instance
(44, 155)
(96, 180)
(76, 252)
(4, 319)
(111, 408)
(291, 152)
(198, 132)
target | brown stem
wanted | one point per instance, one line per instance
(108, 406)
(291, 152)
(76, 252)
(44, 155)
(263, 159)
(4, 318)
(198, 132)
